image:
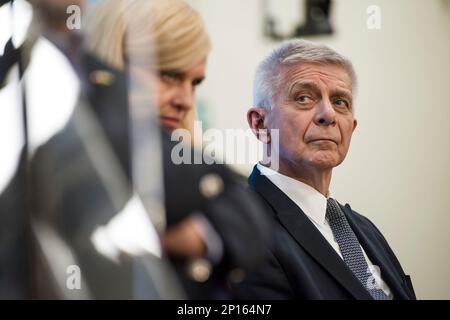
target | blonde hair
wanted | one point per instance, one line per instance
(168, 32)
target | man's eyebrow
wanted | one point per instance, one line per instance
(312, 86)
(303, 85)
(342, 93)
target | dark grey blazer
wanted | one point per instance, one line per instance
(301, 264)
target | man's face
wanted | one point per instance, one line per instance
(314, 114)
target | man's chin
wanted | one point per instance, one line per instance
(325, 162)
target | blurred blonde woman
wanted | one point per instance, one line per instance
(162, 43)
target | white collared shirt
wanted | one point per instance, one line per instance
(314, 205)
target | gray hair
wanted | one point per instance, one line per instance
(268, 75)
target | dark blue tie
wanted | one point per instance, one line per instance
(351, 250)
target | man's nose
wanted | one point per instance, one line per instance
(325, 115)
(184, 97)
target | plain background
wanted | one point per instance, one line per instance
(397, 171)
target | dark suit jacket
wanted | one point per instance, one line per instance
(302, 265)
(234, 213)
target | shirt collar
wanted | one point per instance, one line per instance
(311, 201)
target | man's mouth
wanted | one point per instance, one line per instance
(322, 140)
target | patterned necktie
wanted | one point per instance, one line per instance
(351, 250)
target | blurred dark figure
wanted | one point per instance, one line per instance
(73, 192)
(13, 208)
(76, 189)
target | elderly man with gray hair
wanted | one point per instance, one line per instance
(321, 249)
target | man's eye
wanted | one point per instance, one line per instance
(196, 82)
(341, 103)
(303, 99)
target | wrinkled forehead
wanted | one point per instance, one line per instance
(318, 74)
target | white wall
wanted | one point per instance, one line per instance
(398, 169)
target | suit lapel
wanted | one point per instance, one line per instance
(306, 234)
(379, 258)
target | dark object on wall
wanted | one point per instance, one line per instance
(317, 21)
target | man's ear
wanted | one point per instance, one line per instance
(355, 123)
(255, 119)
